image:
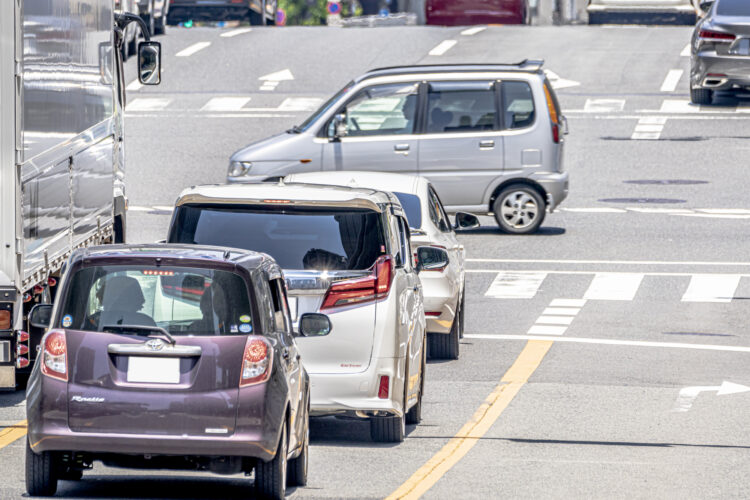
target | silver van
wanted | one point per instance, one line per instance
(488, 137)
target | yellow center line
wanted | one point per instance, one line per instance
(12, 432)
(486, 415)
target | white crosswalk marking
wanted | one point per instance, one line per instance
(604, 105)
(686, 51)
(225, 103)
(568, 303)
(649, 128)
(300, 104)
(561, 311)
(547, 330)
(672, 79)
(614, 286)
(555, 320)
(515, 285)
(147, 104)
(711, 288)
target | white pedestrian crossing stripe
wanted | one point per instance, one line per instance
(225, 104)
(515, 285)
(604, 105)
(711, 288)
(613, 286)
(148, 104)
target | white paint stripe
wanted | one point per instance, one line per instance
(473, 31)
(686, 52)
(515, 285)
(547, 330)
(604, 105)
(725, 211)
(134, 85)
(645, 136)
(132, 208)
(678, 106)
(560, 311)
(641, 127)
(624, 262)
(148, 104)
(442, 47)
(652, 120)
(660, 210)
(568, 303)
(167, 208)
(581, 273)
(238, 31)
(629, 343)
(225, 104)
(189, 51)
(614, 286)
(554, 320)
(716, 216)
(711, 288)
(671, 80)
(596, 210)
(648, 128)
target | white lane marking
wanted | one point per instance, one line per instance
(725, 211)
(554, 320)
(442, 47)
(657, 210)
(568, 303)
(686, 51)
(547, 330)
(649, 128)
(596, 210)
(588, 273)
(515, 285)
(614, 286)
(147, 104)
(473, 31)
(628, 343)
(300, 104)
(672, 79)
(225, 103)
(604, 105)
(278, 76)
(134, 85)
(623, 262)
(134, 208)
(167, 208)
(238, 31)
(711, 288)
(559, 83)
(189, 51)
(561, 311)
(716, 216)
(688, 395)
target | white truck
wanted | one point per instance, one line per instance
(61, 151)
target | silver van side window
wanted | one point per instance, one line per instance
(518, 105)
(461, 107)
(381, 110)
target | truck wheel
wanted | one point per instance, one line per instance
(270, 477)
(519, 209)
(41, 473)
(701, 96)
(445, 345)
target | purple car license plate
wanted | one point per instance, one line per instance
(153, 370)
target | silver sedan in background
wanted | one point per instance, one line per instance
(720, 50)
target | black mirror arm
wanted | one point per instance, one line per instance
(124, 18)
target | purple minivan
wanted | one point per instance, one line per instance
(170, 357)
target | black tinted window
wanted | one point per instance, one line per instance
(412, 207)
(297, 238)
(733, 8)
(518, 105)
(460, 107)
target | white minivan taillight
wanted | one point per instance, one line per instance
(374, 286)
(55, 355)
(256, 362)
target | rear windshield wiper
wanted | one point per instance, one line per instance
(139, 329)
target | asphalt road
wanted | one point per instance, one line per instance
(648, 254)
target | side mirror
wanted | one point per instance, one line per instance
(466, 221)
(705, 5)
(314, 325)
(339, 126)
(40, 315)
(149, 63)
(431, 259)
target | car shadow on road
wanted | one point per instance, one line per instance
(346, 432)
(490, 230)
(158, 486)
(8, 399)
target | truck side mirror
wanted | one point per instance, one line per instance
(339, 126)
(40, 315)
(149, 63)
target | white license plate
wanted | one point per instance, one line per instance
(293, 308)
(153, 370)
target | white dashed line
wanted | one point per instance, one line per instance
(515, 285)
(238, 31)
(561, 311)
(134, 85)
(189, 51)
(686, 51)
(596, 210)
(225, 104)
(649, 128)
(614, 286)
(672, 79)
(555, 320)
(568, 303)
(547, 330)
(442, 47)
(711, 288)
(473, 31)
(604, 105)
(300, 104)
(147, 104)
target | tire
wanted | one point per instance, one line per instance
(159, 22)
(270, 477)
(701, 96)
(414, 415)
(297, 471)
(119, 228)
(519, 209)
(388, 429)
(446, 345)
(41, 473)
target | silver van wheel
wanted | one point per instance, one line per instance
(519, 209)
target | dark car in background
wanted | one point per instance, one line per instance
(467, 12)
(170, 357)
(257, 12)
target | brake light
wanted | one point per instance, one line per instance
(52, 281)
(383, 388)
(55, 355)
(256, 362)
(716, 36)
(5, 319)
(553, 117)
(433, 314)
(22, 362)
(374, 286)
(22, 336)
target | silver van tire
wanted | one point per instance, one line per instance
(446, 345)
(519, 209)
(41, 473)
(270, 477)
(701, 96)
(414, 415)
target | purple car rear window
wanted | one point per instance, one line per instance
(181, 300)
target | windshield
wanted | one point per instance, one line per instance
(187, 301)
(310, 239)
(412, 208)
(323, 109)
(733, 8)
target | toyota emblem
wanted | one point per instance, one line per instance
(155, 345)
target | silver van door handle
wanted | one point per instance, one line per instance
(402, 149)
(487, 144)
